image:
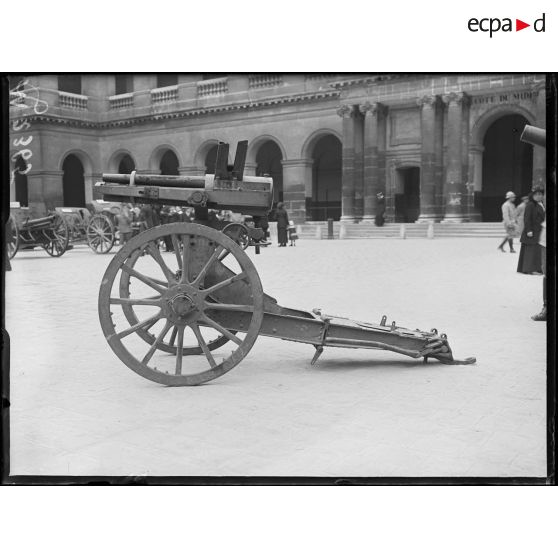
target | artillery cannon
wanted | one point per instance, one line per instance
(157, 309)
(50, 233)
(534, 136)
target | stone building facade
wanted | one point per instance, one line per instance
(439, 147)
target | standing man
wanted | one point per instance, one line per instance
(508, 216)
(541, 316)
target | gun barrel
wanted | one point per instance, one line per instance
(534, 136)
(156, 180)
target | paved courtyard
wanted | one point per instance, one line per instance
(77, 410)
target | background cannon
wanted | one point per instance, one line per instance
(534, 136)
(189, 316)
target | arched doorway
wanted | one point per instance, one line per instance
(73, 183)
(268, 161)
(507, 165)
(21, 191)
(169, 163)
(327, 171)
(407, 195)
(126, 165)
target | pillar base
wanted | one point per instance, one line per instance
(348, 219)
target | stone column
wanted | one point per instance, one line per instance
(475, 179)
(346, 112)
(295, 173)
(45, 191)
(453, 185)
(371, 177)
(427, 159)
(539, 153)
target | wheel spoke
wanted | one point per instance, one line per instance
(156, 255)
(221, 329)
(153, 283)
(173, 336)
(203, 345)
(208, 265)
(185, 256)
(153, 347)
(179, 347)
(224, 283)
(137, 301)
(147, 322)
(176, 246)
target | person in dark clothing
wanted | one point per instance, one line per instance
(380, 210)
(282, 224)
(530, 254)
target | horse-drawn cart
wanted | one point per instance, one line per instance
(189, 316)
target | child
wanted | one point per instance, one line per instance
(292, 233)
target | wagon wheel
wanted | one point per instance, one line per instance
(57, 237)
(100, 234)
(177, 298)
(12, 237)
(170, 345)
(239, 233)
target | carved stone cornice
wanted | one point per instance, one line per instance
(427, 100)
(372, 108)
(124, 122)
(456, 98)
(346, 111)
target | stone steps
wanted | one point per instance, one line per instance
(317, 230)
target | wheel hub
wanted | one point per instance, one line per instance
(183, 304)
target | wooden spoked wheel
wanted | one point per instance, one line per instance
(57, 237)
(217, 340)
(12, 237)
(100, 234)
(158, 309)
(239, 233)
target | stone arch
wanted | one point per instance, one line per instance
(324, 151)
(487, 118)
(157, 154)
(202, 152)
(116, 158)
(312, 140)
(82, 156)
(255, 145)
(85, 186)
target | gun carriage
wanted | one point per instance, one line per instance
(26, 233)
(187, 317)
(95, 227)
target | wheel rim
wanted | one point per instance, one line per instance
(100, 234)
(239, 233)
(13, 237)
(58, 236)
(212, 274)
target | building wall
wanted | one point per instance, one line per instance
(386, 123)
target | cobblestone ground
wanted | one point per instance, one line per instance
(77, 410)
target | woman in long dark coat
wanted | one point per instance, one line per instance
(530, 255)
(282, 224)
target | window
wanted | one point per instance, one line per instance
(123, 83)
(166, 80)
(70, 83)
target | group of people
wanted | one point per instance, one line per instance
(286, 230)
(528, 222)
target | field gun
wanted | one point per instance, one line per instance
(158, 308)
(534, 136)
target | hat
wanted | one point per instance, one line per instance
(537, 190)
(510, 195)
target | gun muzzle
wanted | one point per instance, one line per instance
(534, 136)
